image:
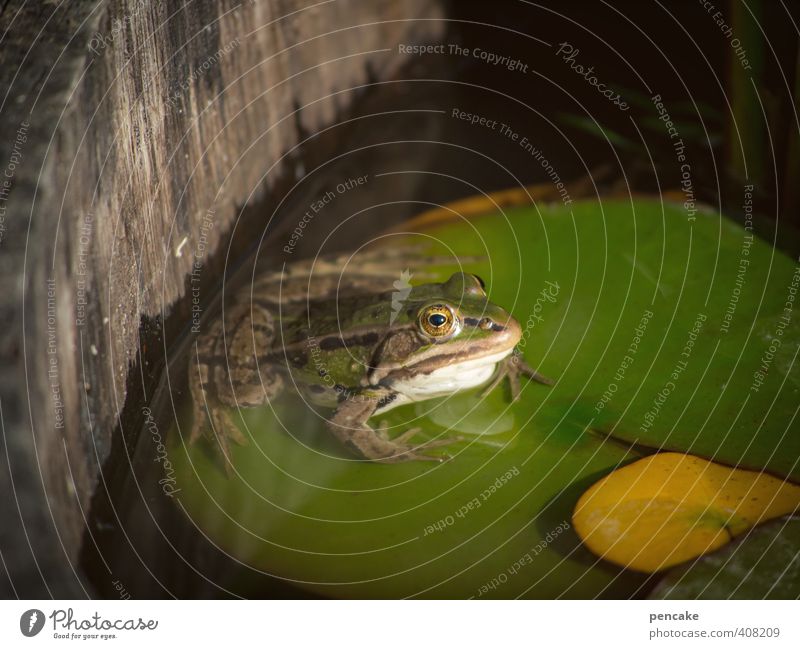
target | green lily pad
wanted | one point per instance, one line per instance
(656, 337)
(764, 564)
(495, 520)
(492, 522)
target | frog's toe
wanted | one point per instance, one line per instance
(383, 431)
(519, 366)
(201, 425)
(493, 384)
(514, 386)
(404, 437)
(198, 425)
(226, 430)
(409, 452)
(439, 443)
(423, 457)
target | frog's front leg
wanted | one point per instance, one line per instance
(511, 367)
(349, 424)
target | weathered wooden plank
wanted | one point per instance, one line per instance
(146, 126)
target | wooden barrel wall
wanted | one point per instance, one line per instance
(134, 131)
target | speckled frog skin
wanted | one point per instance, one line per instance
(346, 345)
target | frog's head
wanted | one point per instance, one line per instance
(449, 325)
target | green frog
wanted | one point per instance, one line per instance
(347, 342)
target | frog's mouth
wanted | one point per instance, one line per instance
(454, 363)
(448, 378)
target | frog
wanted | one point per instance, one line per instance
(347, 343)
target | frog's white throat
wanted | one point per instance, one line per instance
(445, 380)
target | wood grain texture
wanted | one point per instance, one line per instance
(148, 127)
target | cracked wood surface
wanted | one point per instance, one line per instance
(127, 126)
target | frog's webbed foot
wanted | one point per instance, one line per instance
(349, 424)
(512, 367)
(407, 453)
(405, 450)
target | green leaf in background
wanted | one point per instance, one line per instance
(593, 127)
(764, 564)
(641, 314)
(674, 327)
(670, 332)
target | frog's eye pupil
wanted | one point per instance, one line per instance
(438, 321)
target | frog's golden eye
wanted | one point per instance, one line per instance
(438, 321)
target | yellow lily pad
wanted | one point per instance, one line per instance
(669, 508)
